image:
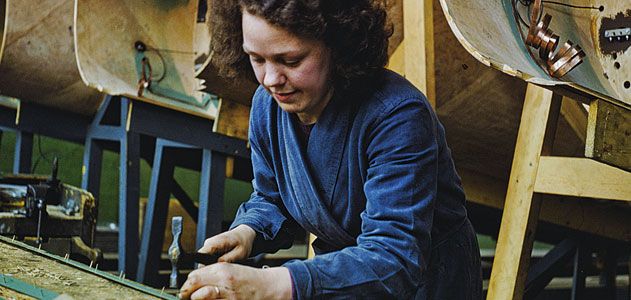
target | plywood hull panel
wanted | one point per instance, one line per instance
(37, 62)
(106, 35)
(38, 270)
(487, 29)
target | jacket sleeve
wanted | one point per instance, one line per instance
(264, 211)
(400, 187)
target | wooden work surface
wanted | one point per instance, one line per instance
(37, 61)
(44, 272)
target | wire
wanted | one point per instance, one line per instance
(570, 5)
(515, 11)
(517, 14)
(42, 155)
(164, 64)
(525, 3)
(172, 51)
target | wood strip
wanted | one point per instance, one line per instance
(239, 90)
(394, 9)
(232, 119)
(609, 134)
(576, 116)
(396, 62)
(592, 217)
(9, 102)
(582, 177)
(520, 209)
(418, 41)
(3, 33)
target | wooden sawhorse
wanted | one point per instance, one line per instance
(124, 122)
(534, 173)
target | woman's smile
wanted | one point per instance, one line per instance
(284, 97)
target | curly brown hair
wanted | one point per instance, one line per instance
(354, 30)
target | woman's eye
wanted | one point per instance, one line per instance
(257, 60)
(291, 62)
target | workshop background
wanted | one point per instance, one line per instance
(113, 121)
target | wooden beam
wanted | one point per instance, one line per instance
(609, 134)
(229, 167)
(232, 119)
(418, 40)
(396, 62)
(238, 90)
(576, 116)
(521, 209)
(596, 218)
(582, 177)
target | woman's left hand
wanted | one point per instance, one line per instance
(232, 281)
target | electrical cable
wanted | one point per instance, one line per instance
(42, 155)
(571, 5)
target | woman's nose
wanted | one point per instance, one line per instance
(273, 76)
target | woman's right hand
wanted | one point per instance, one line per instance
(235, 244)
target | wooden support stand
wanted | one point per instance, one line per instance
(22, 160)
(127, 123)
(168, 154)
(128, 144)
(131, 128)
(533, 174)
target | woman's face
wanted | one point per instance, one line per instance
(294, 70)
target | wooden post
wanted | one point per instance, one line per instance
(418, 28)
(521, 210)
(414, 58)
(608, 131)
(232, 119)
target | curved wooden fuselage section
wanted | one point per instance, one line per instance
(106, 36)
(488, 30)
(37, 61)
(68, 54)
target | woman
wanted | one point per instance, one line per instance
(344, 149)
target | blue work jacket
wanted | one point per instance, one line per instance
(375, 183)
